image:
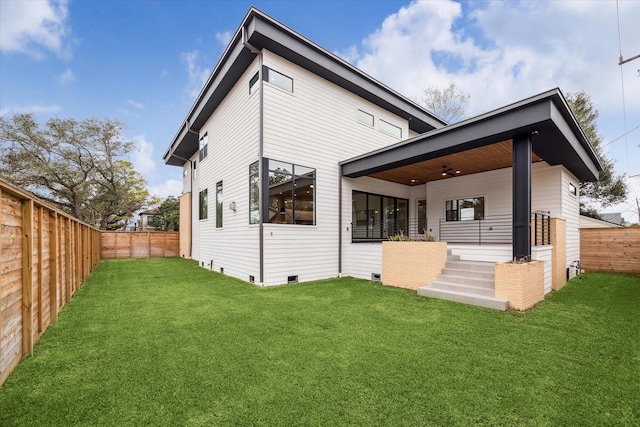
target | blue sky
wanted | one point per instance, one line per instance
(143, 62)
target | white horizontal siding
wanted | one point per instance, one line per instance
(571, 214)
(363, 259)
(315, 126)
(195, 212)
(233, 144)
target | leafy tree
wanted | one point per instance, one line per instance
(610, 188)
(450, 104)
(75, 165)
(167, 215)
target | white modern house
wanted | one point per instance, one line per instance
(297, 166)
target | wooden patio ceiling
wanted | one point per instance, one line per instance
(482, 159)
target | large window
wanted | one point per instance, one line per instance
(202, 205)
(254, 192)
(377, 217)
(219, 204)
(464, 209)
(204, 146)
(278, 79)
(291, 193)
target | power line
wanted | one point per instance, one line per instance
(621, 136)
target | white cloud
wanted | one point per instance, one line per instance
(33, 26)
(504, 51)
(142, 156)
(37, 109)
(224, 37)
(171, 187)
(67, 77)
(135, 104)
(198, 75)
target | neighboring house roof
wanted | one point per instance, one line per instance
(149, 212)
(615, 218)
(588, 222)
(556, 136)
(263, 32)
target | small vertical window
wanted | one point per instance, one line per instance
(219, 204)
(202, 205)
(573, 190)
(278, 79)
(392, 130)
(253, 84)
(365, 118)
(204, 146)
(254, 192)
(195, 165)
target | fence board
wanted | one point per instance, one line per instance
(37, 265)
(614, 250)
(139, 244)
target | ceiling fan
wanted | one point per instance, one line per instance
(448, 171)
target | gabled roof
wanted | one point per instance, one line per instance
(264, 32)
(557, 139)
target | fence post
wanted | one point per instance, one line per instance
(27, 276)
(40, 265)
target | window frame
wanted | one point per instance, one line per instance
(254, 82)
(360, 113)
(298, 174)
(203, 146)
(219, 205)
(377, 228)
(203, 204)
(254, 191)
(453, 209)
(266, 77)
(386, 127)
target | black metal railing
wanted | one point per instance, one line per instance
(497, 229)
(384, 230)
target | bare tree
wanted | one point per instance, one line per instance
(450, 104)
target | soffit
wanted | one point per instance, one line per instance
(481, 159)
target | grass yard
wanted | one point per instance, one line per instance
(162, 342)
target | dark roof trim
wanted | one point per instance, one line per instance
(264, 32)
(559, 139)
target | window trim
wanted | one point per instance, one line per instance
(254, 82)
(373, 118)
(265, 78)
(203, 204)
(295, 176)
(391, 125)
(457, 209)
(396, 229)
(203, 146)
(219, 205)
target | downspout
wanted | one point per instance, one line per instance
(188, 127)
(340, 221)
(261, 177)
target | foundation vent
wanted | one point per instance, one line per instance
(292, 279)
(375, 277)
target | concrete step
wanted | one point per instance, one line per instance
(487, 267)
(446, 285)
(469, 281)
(468, 273)
(465, 298)
(451, 258)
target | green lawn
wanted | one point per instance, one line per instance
(163, 342)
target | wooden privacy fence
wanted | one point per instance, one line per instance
(615, 250)
(139, 244)
(45, 255)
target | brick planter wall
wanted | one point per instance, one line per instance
(411, 265)
(522, 284)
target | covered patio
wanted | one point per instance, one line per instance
(539, 133)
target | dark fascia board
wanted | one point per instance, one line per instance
(281, 40)
(558, 140)
(264, 32)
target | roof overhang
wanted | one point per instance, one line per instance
(557, 139)
(263, 32)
